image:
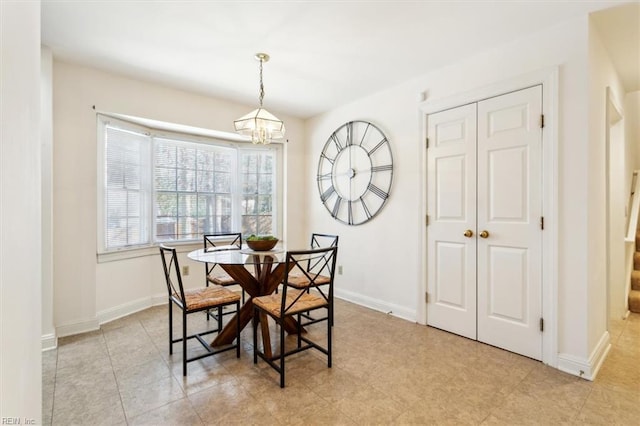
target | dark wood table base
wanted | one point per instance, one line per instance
(265, 282)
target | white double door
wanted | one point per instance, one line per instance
(484, 236)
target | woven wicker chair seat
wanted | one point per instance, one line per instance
(209, 297)
(299, 280)
(223, 279)
(273, 303)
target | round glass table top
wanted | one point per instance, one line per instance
(232, 256)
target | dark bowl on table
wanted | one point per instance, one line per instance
(262, 245)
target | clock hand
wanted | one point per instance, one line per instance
(351, 173)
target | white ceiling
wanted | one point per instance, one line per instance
(323, 54)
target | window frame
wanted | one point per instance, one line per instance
(198, 136)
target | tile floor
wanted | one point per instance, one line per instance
(386, 371)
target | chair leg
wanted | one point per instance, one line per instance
(329, 326)
(331, 304)
(170, 327)
(208, 311)
(219, 319)
(184, 343)
(299, 330)
(237, 330)
(254, 323)
(281, 324)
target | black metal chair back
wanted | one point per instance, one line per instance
(324, 261)
(317, 241)
(323, 240)
(220, 241)
(172, 274)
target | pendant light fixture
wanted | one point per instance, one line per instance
(260, 125)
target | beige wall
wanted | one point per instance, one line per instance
(85, 291)
(20, 204)
(605, 270)
(383, 258)
(632, 127)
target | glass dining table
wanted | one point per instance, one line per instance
(268, 271)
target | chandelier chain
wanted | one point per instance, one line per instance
(261, 85)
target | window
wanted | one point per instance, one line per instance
(127, 189)
(193, 189)
(257, 170)
(158, 186)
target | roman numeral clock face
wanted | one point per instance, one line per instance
(355, 171)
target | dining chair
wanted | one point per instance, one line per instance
(195, 300)
(323, 240)
(300, 281)
(215, 274)
(292, 301)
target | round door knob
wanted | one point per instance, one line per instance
(484, 234)
(468, 233)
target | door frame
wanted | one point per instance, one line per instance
(548, 78)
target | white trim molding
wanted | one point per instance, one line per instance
(49, 342)
(77, 327)
(586, 368)
(377, 305)
(106, 316)
(129, 308)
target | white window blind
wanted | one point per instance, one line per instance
(127, 187)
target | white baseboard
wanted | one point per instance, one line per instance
(378, 305)
(599, 354)
(77, 327)
(49, 341)
(586, 368)
(103, 317)
(111, 314)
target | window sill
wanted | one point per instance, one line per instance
(132, 253)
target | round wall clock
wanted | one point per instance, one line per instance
(355, 171)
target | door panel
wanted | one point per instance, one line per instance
(450, 183)
(509, 208)
(451, 206)
(484, 174)
(507, 187)
(450, 275)
(508, 277)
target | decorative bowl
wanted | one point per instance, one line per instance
(262, 245)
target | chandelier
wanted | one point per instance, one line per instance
(260, 125)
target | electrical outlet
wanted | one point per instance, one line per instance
(339, 269)
(185, 270)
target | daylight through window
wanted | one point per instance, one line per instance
(162, 187)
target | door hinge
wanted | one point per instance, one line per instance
(542, 222)
(427, 142)
(542, 121)
(426, 297)
(541, 324)
(427, 220)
